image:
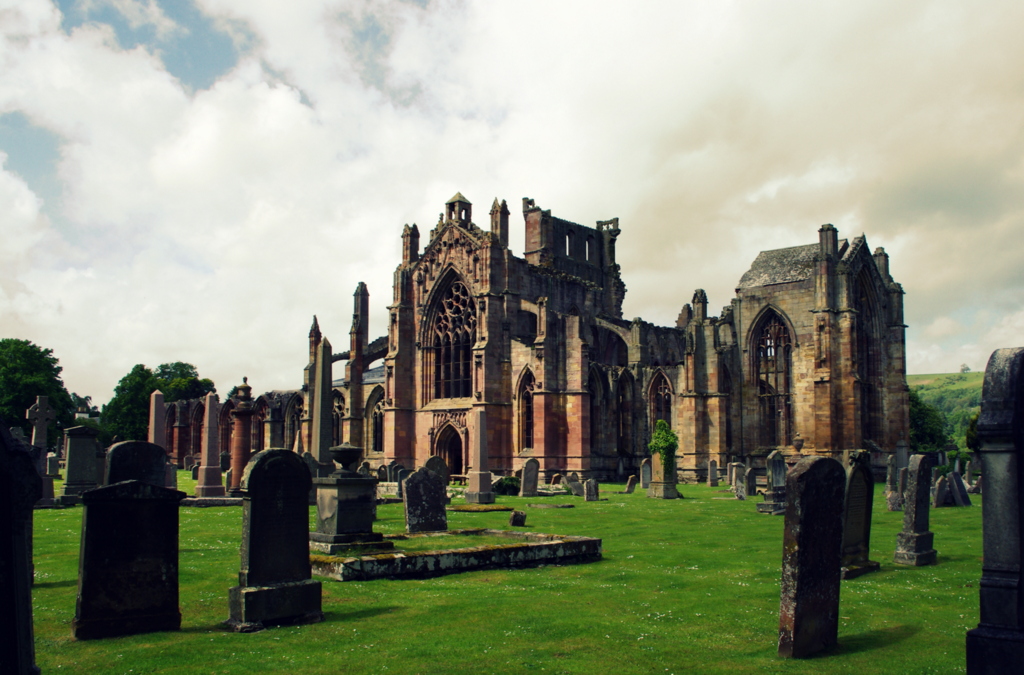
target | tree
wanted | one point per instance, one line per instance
(127, 413)
(971, 437)
(664, 442)
(964, 368)
(180, 381)
(26, 371)
(927, 426)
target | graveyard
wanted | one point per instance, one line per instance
(683, 585)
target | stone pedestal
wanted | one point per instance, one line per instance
(774, 501)
(345, 507)
(663, 482)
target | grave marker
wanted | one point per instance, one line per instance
(80, 466)
(479, 489)
(424, 502)
(712, 473)
(645, 473)
(346, 505)
(630, 485)
(591, 491)
(517, 519)
(914, 543)
(209, 477)
(136, 460)
(531, 471)
(437, 464)
(860, 490)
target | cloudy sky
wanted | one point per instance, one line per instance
(193, 180)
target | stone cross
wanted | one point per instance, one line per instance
(860, 491)
(479, 489)
(275, 585)
(157, 419)
(914, 543)
(811, 552)
(997, 644)
(40, 414)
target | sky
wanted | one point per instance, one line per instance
(194, 180)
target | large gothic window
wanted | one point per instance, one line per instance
(453, 336)
(661, 400)
(377, 427)
(775, 378)
(526, 411)
(868, 361)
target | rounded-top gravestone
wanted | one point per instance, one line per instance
(136, 460)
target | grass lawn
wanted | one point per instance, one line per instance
(685, 586)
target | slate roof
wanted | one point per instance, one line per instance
(783, 266)
(371, 376)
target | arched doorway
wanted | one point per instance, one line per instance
(449, 448)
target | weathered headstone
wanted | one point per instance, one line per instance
(225, 463)
(479, 489)
(128, 567)
(424, 502)
(712, 473)
(736, 471)
(195, 472)
(750, 480)
(809, 607)
(576, 487)
(382, 474)
(969, 473)
(517, 519)
(136, 460)
(209, 474)
(574, 476)
(630, 485)
(775, 493)
(53, 465)
(437, 464)
(902, 455)
(893, 495)
(20, 488)
(364, 470)
(645, 473)
(914, 543)
(393, 468)
(556, 479)
(996, 646)
(40, 414)
(321, 408)
(739, 485)
(400, 479)
(275, 585)
(958, 490)
(976, 488)
(531, 473)
(940, 493)
(591, 491)
(81, 462)
(860, 490)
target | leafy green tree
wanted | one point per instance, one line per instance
(180, 381)
(26, 371)
(971, 438)
(127, 413)
(664, 442)
(927, 426)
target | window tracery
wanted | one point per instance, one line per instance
(775, 376)
(453, 336)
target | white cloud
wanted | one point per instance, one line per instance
(138, 14)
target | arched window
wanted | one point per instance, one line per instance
(257, 429)
(453, 336)
(868, 358)
(661, 400)
(568, 243)
(774, 355)
(293, 422)
(624, 416)
(377, 427)
(526, 387)
(337, 414)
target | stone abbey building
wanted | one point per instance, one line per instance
(808, 358)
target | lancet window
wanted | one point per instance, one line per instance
(661, 400)
(526, 388)
(774, 355)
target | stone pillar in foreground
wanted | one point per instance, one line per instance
(157, 420)
(914, 543)
(811, 554)
(478, 490)
(997, 644)
(241, 436)
(209, 482)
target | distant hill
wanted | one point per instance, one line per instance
(956, 395)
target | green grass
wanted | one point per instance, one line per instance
(685, 586)
(948, 380)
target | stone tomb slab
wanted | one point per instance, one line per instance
(525, 549)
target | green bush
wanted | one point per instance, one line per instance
(506, 485)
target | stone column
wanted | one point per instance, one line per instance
(209, 484)
(241, 438)
(997, 644)
(479, 489)
(157, 420)
(320, 445)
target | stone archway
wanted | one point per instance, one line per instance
(449, 448)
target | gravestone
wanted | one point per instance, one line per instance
(739, 486)
(663, 478)
(860, 491)
(171, 475)
(969, 473)
(517, 519)
(382, 474)
(775, 494)
(225, 463)
(136, 460)
(958, 490)
(478, 490)
(157, 420)
(750, 481)
(940, 493)
(53, 465)
(893, 495)
(195, 472)
(531, 471)
(736, 470)
(40, 414)
(80, 466)
(997, 645)
(902, 485)
(591, 491)
(914, 543)
(208, 478)
(811, 557)
(630, 485)
(976, 488)
(227, 477)
(20, 489)
(274, 583)
(645, 473)
(574, 476)
(556, 479)
(128, 567)
(712, 473)
(437, 464)
(400, 479)
(424, 502)
(346, 506)
(902, 455)
(364, 470)
(393, 468)
(576, 487)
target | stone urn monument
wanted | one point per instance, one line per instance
(346, 504)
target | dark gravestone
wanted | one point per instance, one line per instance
(811, 547)
(195, 471)
(775, 494)
(382, 474)
(225, 462)
(958, 490)
(739, 485)
(940, 493)
(517, 519)
(556, 479)
(400, 477)
(591, 491)
(750, 479)
(712, 473)
(531, 474)
(274, 583)
(393, 469)
(997, 644)
(128, 567)
(424, 502)
(20, 488)
(645, 473)
(914, 543)
(893, 495)
(437, 464)
(80, 472)
(576, 487)
(346, 505)
(860, 491)
(136, 460)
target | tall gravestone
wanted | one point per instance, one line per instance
(275, 585)
(736, 469)
(80, 466)
(860, 491)
(739, 482)
(645, 473)
(209, 482)
(914, 543)
(322, 432)
(20, 488)
(997, 644)
(893, 495)
(712, 473)
(479, 489)
(591, 491)
(750, 478)
(157, 420)
(531, 474)
(424, 502)
(811, 547)
(128, 566)
(775, 494)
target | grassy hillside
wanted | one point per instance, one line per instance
(956, 395)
